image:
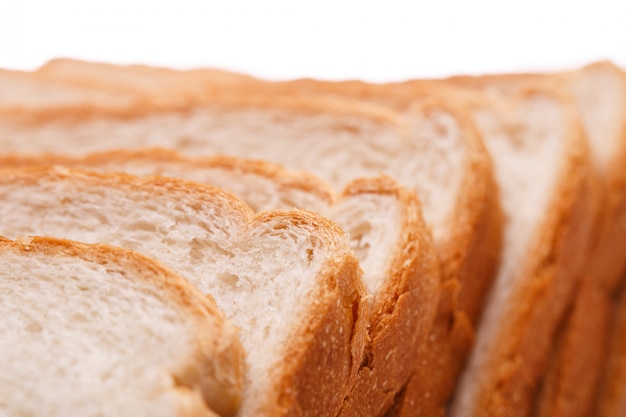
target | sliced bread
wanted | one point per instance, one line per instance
(382, 219)
(287, 279)
(434, 149)
(94, 330)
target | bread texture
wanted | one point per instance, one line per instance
(385, 228)
(94, 330)
(286, 279)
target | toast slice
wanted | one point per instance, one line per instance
(570, 388)
(383, 222)
(94, 330)
(287, 279)
(434, 149)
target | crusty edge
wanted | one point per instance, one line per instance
(217, 368)
(511, 374)
(402, 310)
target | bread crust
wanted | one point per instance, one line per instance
(216, 369)
(401, 312)
(336, 299)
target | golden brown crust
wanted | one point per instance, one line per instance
(219, 357)
(401, 312)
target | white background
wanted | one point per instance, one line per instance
(377, 41)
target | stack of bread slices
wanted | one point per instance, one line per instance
(206, 243)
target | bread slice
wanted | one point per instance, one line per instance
(570, 387)
(384, 224)
(434, 149)
(542, 167)
(94, 330)
(287, 279)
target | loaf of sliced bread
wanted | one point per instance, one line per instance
(95, 330)
(382, 219)
(287, 279)
(434, 149)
